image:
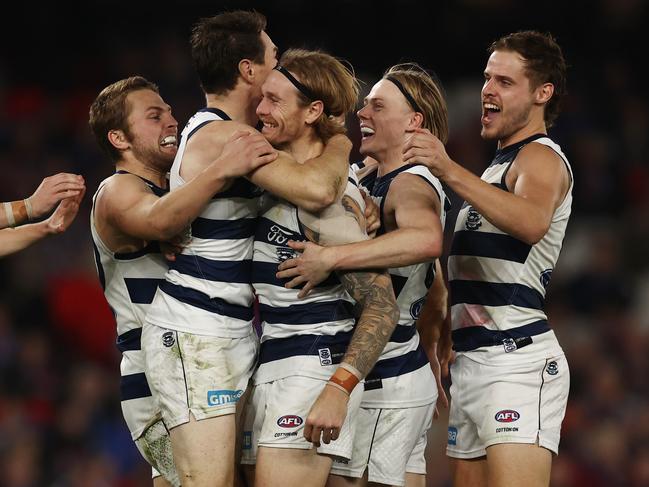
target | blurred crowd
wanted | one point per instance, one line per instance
(60, 420)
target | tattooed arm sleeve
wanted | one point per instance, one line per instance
(344, 223)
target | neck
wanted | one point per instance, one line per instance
(536, 127)
(147, 171)
(237, 103)
(306, 147)
(389, 160)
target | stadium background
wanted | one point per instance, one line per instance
(60, 422)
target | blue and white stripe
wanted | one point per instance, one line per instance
(207, 289)
(497, 282)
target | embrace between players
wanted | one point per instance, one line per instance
(340, 389)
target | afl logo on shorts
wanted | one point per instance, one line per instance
(473, 219)
(168, 339)
(507, 416)
(289, 421)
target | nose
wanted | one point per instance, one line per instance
(262, 108)
(488, 87)
(362, 112)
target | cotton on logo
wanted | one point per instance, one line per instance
(289, 421)
(507, 416)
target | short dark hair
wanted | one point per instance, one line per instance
(109, 111)
(218, 43)
(544, 63)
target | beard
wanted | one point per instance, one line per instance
(152, 156)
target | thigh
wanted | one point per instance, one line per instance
(204, 451)
(518, 465)
(469, 472)
(290, 467)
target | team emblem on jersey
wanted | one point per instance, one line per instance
(473, 219)
(168, 339)
(507, 416)
(545, 277)
(415, 308)
(289, 421)
(325, 356)
(285, 253)
(278, 235)
(552, 368)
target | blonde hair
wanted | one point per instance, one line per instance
(427, 93)
(330, 81)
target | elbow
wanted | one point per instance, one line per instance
(534, 234)
(431, 249)
(319, 201)
(164, 231)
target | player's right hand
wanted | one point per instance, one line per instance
(244, 152)
(54, 189)
(327, 416)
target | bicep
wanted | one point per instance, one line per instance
(129, 211)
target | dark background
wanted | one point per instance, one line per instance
(60, 422)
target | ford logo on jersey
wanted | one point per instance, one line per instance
(507, 416)
(225, 396)
(289, 421)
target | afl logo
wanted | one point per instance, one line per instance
(415, 308)
(473, 219)
(289, 421)
(507, 416)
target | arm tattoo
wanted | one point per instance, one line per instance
(379, 316)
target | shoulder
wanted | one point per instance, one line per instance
(121, 191)
(535, 154)
(218, 131)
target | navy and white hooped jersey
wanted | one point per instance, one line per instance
(402, 376)
(207, 290)
(129, 281)
(497, 282)
(307, 336)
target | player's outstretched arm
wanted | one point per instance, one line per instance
(16, 239)
(314, 185)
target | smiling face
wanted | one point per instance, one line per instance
(384, 120)
(508, 99)
(152, 130)
(279, 110)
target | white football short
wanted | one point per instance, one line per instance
(276, 413)
(518, 403)
(204, 375)
(388, 443)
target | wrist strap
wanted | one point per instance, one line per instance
(9, 212)
(28, 208)
(344, 378)
(339, 387)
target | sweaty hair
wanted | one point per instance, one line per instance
(330, 81)
(426, 91)
(110, 111)
(220, 42)
(544, 63)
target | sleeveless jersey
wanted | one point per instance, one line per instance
(307, 336)
(402, 376)
(207, 290)
(497, 282)
(129, 281)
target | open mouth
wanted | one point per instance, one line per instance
(366, 132)
(169, 141)
(489, 112)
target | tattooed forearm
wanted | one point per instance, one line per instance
(379, 316)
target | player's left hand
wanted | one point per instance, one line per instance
(309, 268)
(327, 416)
(176, 245)
(372, 215)
(424, 148)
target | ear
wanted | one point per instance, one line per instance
(544, 93)
(316, 108)
(118, 139)
(246, 70)
(416, 121)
